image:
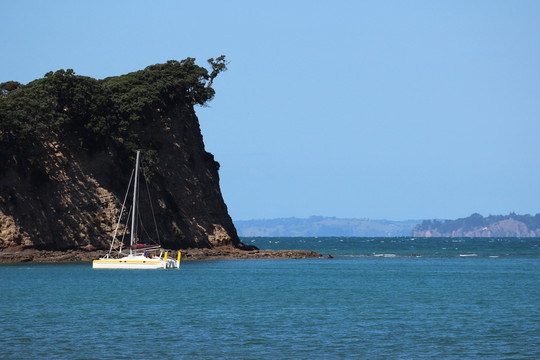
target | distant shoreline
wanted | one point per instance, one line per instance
(476, 225)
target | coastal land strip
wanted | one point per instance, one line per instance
(220, 253)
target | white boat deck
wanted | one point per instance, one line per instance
(136, 262)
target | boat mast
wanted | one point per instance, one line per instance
(133, 214)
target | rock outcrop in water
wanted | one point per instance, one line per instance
(67, 150)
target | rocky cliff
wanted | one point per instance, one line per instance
(476, 225)
(67, 160)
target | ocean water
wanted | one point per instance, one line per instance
(454, 299)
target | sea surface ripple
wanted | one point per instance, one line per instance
(435, 304)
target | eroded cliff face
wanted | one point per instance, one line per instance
(72, 198)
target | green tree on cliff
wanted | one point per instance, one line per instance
(218, 65)
(95, 112)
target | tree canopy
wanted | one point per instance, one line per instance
(91, 110)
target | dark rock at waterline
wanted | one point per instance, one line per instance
(220, 253)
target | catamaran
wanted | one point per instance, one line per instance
(141, 255)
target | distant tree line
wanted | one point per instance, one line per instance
(93, 112)
(476, 221)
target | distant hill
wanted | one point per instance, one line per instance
(324, 226)
(476, 225)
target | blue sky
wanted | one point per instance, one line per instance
(370, 109)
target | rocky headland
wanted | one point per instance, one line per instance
(476, 225)
(67, 150)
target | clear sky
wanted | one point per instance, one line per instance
(370, 109)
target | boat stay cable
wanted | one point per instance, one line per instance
(120, 217)
(151, 207)
(126, 227)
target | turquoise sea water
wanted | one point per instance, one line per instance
(371, 301)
